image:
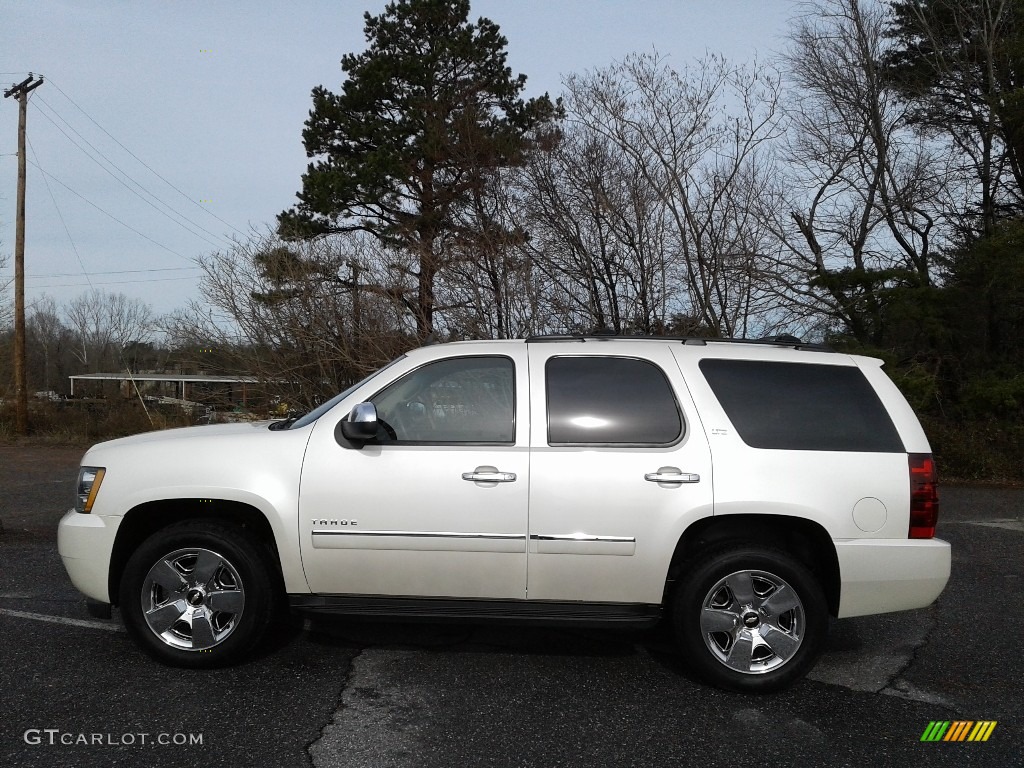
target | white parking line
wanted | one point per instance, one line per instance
(62, 620)
(1008, 523)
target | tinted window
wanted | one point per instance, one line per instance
(610, 401)
(802, 407)
(459, 400)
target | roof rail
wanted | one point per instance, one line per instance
(782, 340)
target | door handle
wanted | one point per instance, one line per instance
(489, 475)
(671, 475)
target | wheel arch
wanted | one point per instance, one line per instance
(143, 520)
(803, 539)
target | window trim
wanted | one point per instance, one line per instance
(444, 443)
(684, 430)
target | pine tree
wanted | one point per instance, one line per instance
(426, 112)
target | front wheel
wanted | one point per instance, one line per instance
(198, 594)
(750, 619)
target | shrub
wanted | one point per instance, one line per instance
(77, 422)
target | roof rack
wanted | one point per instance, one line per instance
(782, 340)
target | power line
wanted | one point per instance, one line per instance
(122, 183)
(61, 216)
(78, 256)
(115, 272)
(112, 216)
(108, 282)
(127, 175)
(144, 164)
(93, 284)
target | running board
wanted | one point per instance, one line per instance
(547, 612)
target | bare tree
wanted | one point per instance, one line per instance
(599, 235)
(858, 208)
(959, 62)
(105, 325)
(307, 318)
(490, 286)
(50, 344)
(6, 301)
(696, 136)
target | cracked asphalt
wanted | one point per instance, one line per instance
(340, 693)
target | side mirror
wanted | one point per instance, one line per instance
(361, 424)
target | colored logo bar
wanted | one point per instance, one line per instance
(958, 730)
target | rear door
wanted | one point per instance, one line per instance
(619, 467)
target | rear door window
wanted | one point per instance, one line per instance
(610, 401)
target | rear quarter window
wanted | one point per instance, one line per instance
(802, 407)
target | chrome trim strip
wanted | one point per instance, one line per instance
(422, 534)
(581, 537)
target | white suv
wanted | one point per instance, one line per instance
(742, 490)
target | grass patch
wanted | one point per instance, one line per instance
(84, 422)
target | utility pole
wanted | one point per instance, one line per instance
(21, 90)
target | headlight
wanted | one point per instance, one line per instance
(89, 480)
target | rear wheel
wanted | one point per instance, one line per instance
(198, 594)
(750, 619)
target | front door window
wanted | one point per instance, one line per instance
(465, 400)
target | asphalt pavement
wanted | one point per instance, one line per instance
(74, 691)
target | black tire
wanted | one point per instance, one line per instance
(749, 618)
(199, 594)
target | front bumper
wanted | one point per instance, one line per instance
(85, 543)
(884, 575)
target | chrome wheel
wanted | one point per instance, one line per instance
(192, 599)
(752, 621)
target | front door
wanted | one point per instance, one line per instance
(436, 506)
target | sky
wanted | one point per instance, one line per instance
(188, 115)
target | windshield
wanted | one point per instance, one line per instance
(323, 408)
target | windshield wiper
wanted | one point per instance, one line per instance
(285, 423)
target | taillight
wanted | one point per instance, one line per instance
(924, 496)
